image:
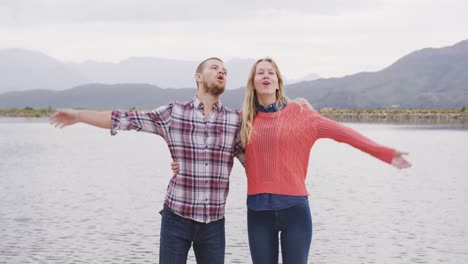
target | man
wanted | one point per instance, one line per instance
(202, 135)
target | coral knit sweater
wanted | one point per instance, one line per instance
(277, 158)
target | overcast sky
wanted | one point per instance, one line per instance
(331, 38)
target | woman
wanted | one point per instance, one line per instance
(278, 134)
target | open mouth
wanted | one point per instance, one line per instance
(266, 83)
(221, 78)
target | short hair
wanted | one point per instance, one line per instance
(202, 64)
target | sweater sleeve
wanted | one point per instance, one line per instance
(327, 128)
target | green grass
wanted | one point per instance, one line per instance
(26, 112)
(393, 111)
(45, 112)
(397, 115)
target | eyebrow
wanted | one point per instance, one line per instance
(217, 66)
(266, 69)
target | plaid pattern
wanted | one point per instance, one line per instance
(205, 151)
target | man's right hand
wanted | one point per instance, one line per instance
(175, 167)
(64, 117)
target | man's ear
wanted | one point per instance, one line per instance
(198, 77)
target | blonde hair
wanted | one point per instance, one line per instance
(249, 108)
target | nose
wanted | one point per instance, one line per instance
(222, 72)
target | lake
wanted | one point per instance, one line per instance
(79, 195)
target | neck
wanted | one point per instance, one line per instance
(206, 98)
(266, 100)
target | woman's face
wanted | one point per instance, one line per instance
(265, 81)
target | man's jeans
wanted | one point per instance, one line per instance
(295, 224)
(178, 234)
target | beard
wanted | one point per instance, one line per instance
(214, 89)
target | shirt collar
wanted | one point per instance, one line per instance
(274, 107)
(269, 109)
(218, 106)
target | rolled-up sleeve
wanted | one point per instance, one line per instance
(156, 121)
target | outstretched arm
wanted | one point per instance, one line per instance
(67, 117)
(327, 128)
(398, 161)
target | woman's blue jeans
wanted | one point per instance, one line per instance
(295, 226)
(178, 234)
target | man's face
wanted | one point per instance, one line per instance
(213, 77)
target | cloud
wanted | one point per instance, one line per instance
(24, 12)
(331, 38)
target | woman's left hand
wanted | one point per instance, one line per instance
(175, 167)
(399, 161)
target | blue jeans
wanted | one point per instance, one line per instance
(178, 234)
(295, 225)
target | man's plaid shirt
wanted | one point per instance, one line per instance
(205, 151)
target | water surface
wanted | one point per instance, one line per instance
(78, 195)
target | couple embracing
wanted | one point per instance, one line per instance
(271, 136)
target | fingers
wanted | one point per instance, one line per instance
(61, 125)
(401, 163)
(53, 120)
(404, 165)
(175, 167)
(62, 118)
(407, 164)
(57, 122)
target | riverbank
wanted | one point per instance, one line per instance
(398, 115)
(26, 112)
(342, 115)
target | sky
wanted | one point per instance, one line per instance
(331, 38)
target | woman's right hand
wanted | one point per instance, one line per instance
(175, 167)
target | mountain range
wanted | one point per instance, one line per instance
(22, 70)
(426, 78)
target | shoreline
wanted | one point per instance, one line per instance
(397, 115)
(341, 115)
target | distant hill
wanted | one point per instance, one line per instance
(27, 70)
(428, 78)
(102, 96)
(164, 73)
(22, 70)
